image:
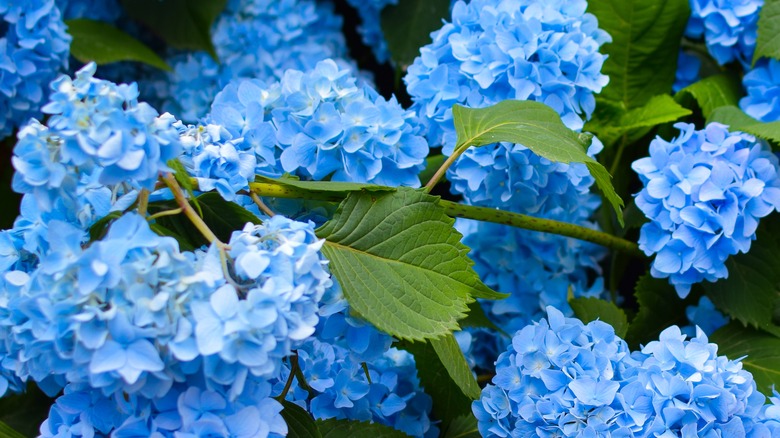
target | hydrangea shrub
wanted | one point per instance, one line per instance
(295, 232)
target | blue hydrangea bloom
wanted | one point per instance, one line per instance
(506, 49)
(687, 73)
(559, 377)
(342, 389)
(34, 49)
(536, 269)
(321, 123)
(332, 363)
(254, 39)
(142, 315)
(103, 123)
(705, 316)
(187, 410)
(563, 378)
(762, 84)
(729, 28)
(216, 160)
(704, 193)
(100, 10)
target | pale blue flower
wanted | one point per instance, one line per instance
(34, 49)
(704, 194)
(322, 123)
(729, 28)
(762, 83)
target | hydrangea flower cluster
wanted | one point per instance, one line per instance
(34, 49)
(322, 123)
(537, 269)
(186, 410)
(141, 315)
(704, 194)
(505, 49)
(99, 146)
(762, 84)
(563, 378)
(254, 39)
(351, 372)
(729, 28)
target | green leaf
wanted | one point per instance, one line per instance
(610, 122)
(762, 351)
(299, 423)
(7, 432)
(100, 42)
(338, 189)
(712, 92)
(349, 429)
(222, 217)
(400, 263)
(739, 121)
(768, 42)
(643, 53)
(183, 24)
(590, 309)
(659, 308)
(464, 426)
(535, 126)
(408, 24)
(752, 289)
(449, 401)
(25, 412)
(446, 347)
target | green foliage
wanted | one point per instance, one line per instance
(711, 92)
(659, 308)
(752, 289)
(407, 27)
(222, 217)
(768, 43)
(25, 412)
(299, 423)
(348, 429)
(762, 351)
(446, 347)
(535, 126)
(610, 122)
(183, 24)
(646, 37)
(464, 426)
(7, 431)
(400, 263)
(100, 42)
(338, 189)
(449, 401)
(590, 309)
(739, 121)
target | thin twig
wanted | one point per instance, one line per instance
(261, 205)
